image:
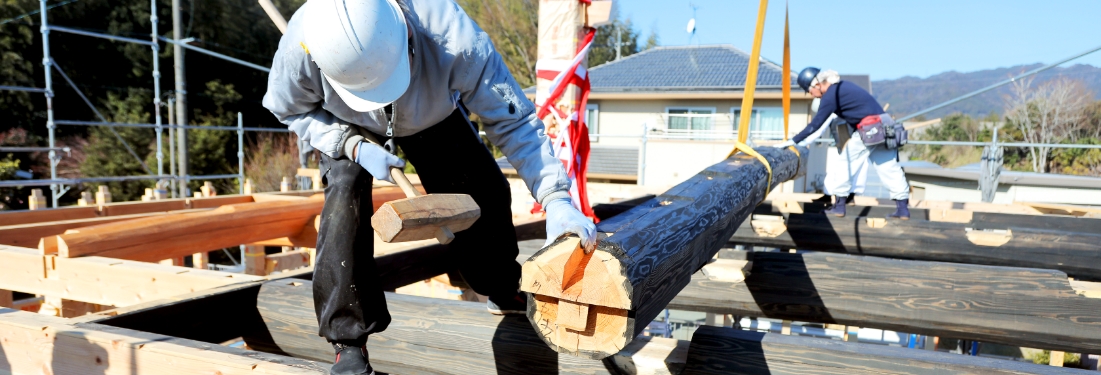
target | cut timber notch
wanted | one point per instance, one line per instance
(593, 305)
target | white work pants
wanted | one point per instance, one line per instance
(849, 172)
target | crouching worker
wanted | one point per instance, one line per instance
(876, 138)
(404, 72)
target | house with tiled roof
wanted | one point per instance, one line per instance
(659, 116)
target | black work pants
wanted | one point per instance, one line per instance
(450, 158)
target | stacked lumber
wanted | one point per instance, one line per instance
(593, 305)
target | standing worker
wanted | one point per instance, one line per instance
(409, 70)
(855, 106)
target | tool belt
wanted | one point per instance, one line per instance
(882, 129)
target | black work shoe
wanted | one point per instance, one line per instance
(351, 360)
(516, 304)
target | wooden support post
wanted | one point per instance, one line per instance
(255, 260)
(208, 189)
(200, 260)
(248, 187)
(285, 185)
(86, 199)
(785, 327)
(6, 298)
(728, 351)
(37, 200)
(103, 195)
(1056, 358)
(862, 291)
(647, 255)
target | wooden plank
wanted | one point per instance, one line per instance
(103, 281)
(914, 203)
(130, 208)
(28, 235)
(218, 201)
(1013, 306)
(647, 254)
(34, 343)
(1067, 244)
(1063, 209)
(286, 261)
(6, 298)
(156, 238)
(463, 339)
(44, 215)
(728, 351)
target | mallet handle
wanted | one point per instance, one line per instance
(399, 177)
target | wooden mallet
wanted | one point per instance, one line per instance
(421, 217)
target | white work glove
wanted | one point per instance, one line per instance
(377, 161)
(563, 218)
(785, 144)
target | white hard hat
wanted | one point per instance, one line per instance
(362, 48)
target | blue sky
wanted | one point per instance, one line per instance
(887, 38)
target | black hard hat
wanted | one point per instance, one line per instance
(806, 77)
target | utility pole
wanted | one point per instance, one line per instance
(181, 95)
(618, 39)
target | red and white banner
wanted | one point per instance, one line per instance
(571, 144)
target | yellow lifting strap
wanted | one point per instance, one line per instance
(747, 99)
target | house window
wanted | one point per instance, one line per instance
(764, 123)
(695, 123)
(592, 120)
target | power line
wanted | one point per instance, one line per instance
(33, 12)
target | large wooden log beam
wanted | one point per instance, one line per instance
(1068, 244)
(717, 350)
(1014, 306)
(38, 344)
(436, 336)
(593, 305)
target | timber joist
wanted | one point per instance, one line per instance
(1066, 243)
(593, 305)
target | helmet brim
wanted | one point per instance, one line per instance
(379, 96)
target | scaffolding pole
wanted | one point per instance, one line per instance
(155, 46)
(50, 126)
(174, 189)
(240, 154)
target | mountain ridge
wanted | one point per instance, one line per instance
(910, 94)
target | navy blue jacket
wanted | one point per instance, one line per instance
(850, 102)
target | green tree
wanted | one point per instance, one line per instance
(213, 152)
(106, 155)
(513, 26)
(652, 40)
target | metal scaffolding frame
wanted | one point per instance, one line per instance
(59, 186)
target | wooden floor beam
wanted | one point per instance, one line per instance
(102, 281)
(717, 350)
(34, 343)
(1067, 244)
(1014, 306)
(436, 336)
